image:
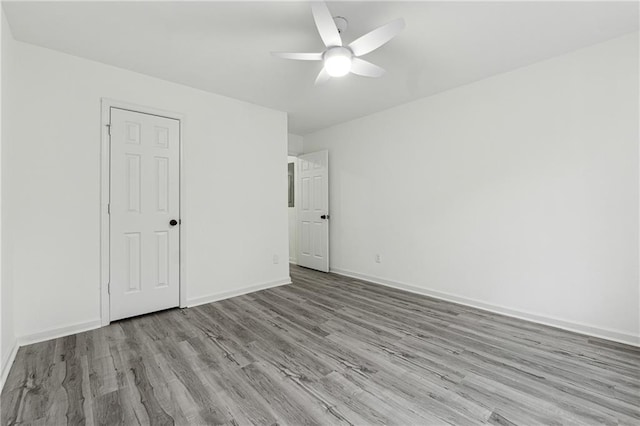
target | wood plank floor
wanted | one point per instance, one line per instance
(324, 350)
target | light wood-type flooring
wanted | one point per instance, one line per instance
(324, 350)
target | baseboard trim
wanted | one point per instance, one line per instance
(6, 365)
(54, 333)
(575, 327)
(42, 336)
(57, 332)
(196, 301)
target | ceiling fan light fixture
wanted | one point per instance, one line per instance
(340, 60)
(337, 61)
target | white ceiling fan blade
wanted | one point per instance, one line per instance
(376, 38)
(326, 26)
(323, 77)
(299, 56)
(366, 69)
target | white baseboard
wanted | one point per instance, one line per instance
(233, 293)
(603, 333)
(42, 336)
(54, 333)
(6, 365)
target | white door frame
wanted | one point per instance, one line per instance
(105, 168)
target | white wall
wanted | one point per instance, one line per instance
(518, 193)
(7, 334)
(233, 155)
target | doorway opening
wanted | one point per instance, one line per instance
(292, 163)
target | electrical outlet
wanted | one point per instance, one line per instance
(276, 260)
(378, 258)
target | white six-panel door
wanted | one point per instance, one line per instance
(144, 199)
(313, 210)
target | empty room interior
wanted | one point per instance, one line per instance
(331, 213)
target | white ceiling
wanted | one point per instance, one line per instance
(224, 47)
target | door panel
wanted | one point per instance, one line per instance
(313, 181)
(144, 196)
(132, 258)
(162, 261)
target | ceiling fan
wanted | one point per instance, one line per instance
(339, 60)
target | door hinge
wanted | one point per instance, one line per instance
(109, 287)
(109, 129)
(109, 208)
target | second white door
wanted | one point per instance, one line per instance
(313, 210)
(144, 213)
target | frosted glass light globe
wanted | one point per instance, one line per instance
(337, 61)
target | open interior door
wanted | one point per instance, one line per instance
(313, 211)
